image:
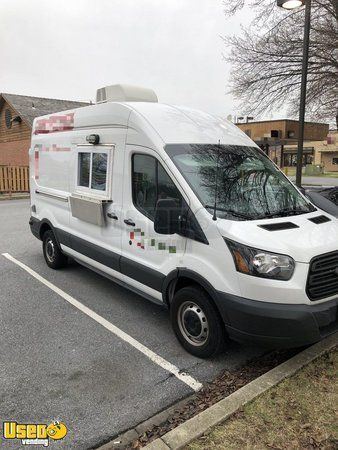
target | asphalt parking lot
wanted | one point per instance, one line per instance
(89, 353)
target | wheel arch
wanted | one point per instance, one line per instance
(45, 225)
(179, 278)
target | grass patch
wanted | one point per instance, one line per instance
(331, 174)
(291, 172)
(299, 413)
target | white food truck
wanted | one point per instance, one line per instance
(184, 209)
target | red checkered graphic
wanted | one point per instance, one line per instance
(54, 124)
(36, 164)
(54, 148)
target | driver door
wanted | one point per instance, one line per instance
(147, 257)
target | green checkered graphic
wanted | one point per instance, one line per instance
(158, 246)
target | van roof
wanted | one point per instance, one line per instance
(173, 124)
(180, 124)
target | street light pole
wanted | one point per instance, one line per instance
(303, 92)
(293, 4)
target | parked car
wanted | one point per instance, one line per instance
(183, 208)
(324, 198)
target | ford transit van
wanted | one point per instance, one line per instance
(184, 209)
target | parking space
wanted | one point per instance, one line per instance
(93, 354)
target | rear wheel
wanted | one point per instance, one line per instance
(54, 257)
(196, 322)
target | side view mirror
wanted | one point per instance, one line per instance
(167, 216)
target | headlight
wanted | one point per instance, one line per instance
(260, 263)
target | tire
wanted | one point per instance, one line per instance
(196, 322)
(52, 253)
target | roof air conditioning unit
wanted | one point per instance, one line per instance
(125, 93)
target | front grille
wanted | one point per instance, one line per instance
(323, 276)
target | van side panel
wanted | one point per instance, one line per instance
(50, 157)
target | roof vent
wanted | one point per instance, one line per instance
(125, 93)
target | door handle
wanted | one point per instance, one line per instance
(129, 222)
(112, 216)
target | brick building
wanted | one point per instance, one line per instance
(278, 138)
(17, 113)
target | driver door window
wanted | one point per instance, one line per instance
(150, 182)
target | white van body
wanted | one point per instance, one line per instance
(91, 176)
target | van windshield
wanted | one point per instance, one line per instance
(249, 186)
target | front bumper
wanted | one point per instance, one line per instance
(277, 325)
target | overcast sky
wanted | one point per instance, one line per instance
(69, 48)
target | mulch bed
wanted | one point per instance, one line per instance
(224, 385)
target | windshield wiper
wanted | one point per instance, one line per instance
(295, 211)
(230, 211)
(285, 213)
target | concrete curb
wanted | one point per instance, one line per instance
(195, 427)
(125, 438)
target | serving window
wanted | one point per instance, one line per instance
(84, 169)
(94, 171)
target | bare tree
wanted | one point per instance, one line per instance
(266, 58)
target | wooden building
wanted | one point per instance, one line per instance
(17, 113)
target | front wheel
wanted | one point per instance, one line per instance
(197, 323)
(54, 257)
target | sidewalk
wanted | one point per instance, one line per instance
(299, 413)
(14, 196)
(319, 181)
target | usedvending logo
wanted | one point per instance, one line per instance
(34, 433)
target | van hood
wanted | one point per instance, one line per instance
(302, 240)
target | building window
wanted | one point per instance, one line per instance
(248, 133)
(290, 159)
(274, 133)
(150, 182)
(291, 134)
(335, 161)
(92, 170)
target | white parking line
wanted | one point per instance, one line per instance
(166, 365)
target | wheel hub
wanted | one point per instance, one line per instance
(50, 250)
(193, 323)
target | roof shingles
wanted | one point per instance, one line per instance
(31, 107)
